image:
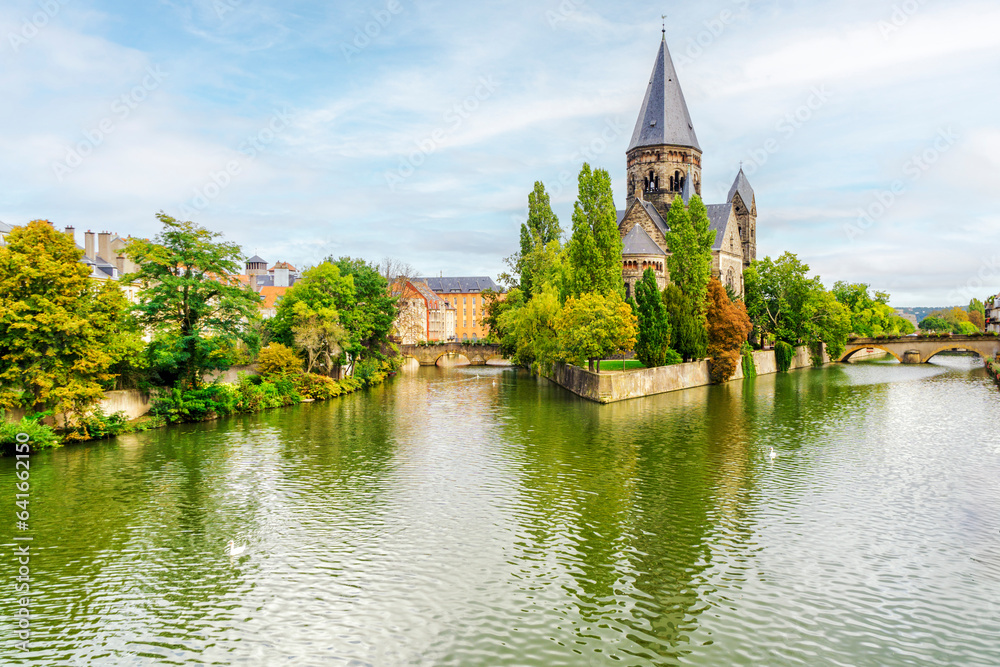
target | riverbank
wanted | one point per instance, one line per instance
(614, 387)
(133, 411)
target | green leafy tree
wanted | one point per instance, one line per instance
(690, 262)
(529, 331)
(369, 318)
(277, 361)
(541, 229)
(728, 328)
(688, 332)
(57, 327)
(595, 248)
(593, 326)
(870, 316)
(309, 317)
(775, 294)
(932, 323)
(197, 312)
(653, 338)
(826, 321)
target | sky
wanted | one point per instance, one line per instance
(415, 129)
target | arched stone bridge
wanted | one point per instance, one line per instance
(453, 354)
(919, 350)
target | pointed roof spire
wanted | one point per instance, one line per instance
(664, 117)
(742, 186)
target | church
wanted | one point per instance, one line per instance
(664, 161)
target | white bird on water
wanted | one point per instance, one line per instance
(773, 454)
(234, 550)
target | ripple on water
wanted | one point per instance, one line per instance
(447, 520)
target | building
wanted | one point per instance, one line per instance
(5, 229)
(466, 295)
(271, 283)
(424, 315)
(663, 161)
(993, 314)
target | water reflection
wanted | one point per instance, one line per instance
(481, 516)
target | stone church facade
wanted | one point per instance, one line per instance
(664, 161)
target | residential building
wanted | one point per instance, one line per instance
(5, 229)
(663, 161)
(466, 295)
(424, 315)
(271, 283)
(993, 314)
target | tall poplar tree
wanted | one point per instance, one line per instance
(541, 228)
(689, 240)
(596, 245)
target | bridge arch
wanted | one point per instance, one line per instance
(956, 348)
(852, 349)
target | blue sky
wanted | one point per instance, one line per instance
(415, 129)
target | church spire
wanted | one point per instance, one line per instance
(664, 118)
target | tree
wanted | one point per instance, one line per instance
(728, 328)
(593, 326)
(540, 229)
(688, 333)
(309, 317)
(977, 314)
(870, 316)
(826, 321)
(775, 294)
(528, 330)
(690, 241)
(653, 338)
(57, 327)
(278, 361)
(189, 300)
(369, 317)
(595, 248)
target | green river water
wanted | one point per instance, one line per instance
(479, 516)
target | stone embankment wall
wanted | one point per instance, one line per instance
(132, 402)
(612, 387)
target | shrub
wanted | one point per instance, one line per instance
(97, 426)
(317, 387)
(749, 368)
(783, 354)
(278, 361)
(193, 405)
(39, 436)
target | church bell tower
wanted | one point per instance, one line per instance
(663, 157)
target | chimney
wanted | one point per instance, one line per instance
(70, 232)
(253, 282)
(281, 276)
(104, 246)
(88, 244)
(120, 262)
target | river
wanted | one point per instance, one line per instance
(479, 516)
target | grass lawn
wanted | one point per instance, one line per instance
(616, 364)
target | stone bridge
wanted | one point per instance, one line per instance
(920, 350)
(453, 354)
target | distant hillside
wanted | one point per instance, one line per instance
(920, 312)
